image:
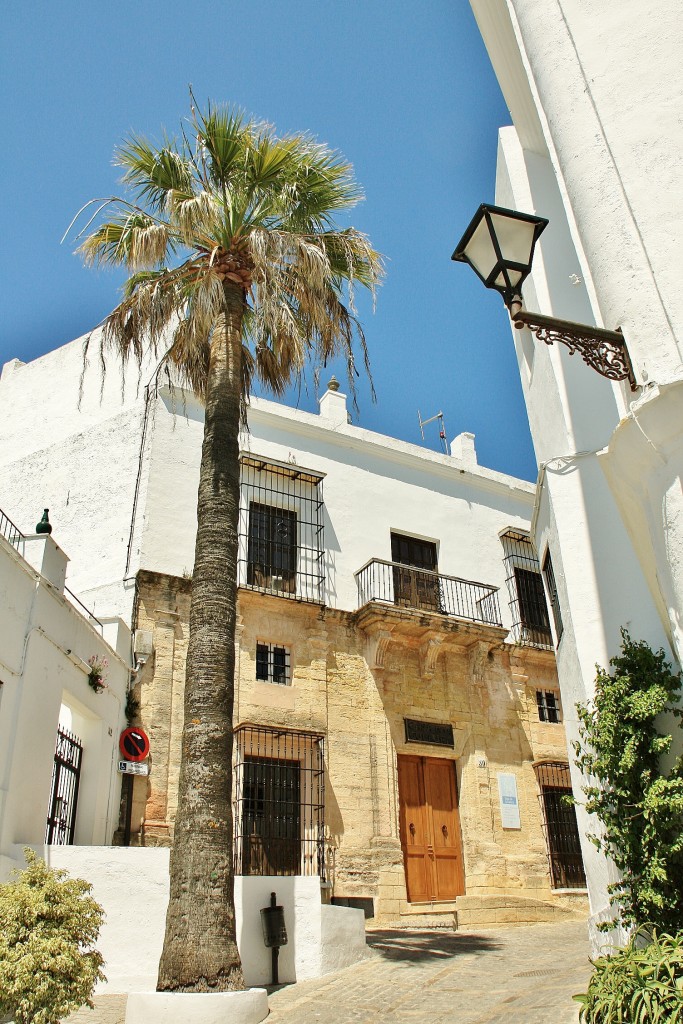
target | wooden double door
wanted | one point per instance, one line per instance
(430, 829)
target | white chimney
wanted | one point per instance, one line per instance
(333, 405)
(462, 447)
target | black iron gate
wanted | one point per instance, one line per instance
(66, 773)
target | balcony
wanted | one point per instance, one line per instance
(403, 586)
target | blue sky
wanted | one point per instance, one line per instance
(405, 91)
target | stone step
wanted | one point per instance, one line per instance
(489, 909)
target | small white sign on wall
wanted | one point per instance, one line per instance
(509, 804)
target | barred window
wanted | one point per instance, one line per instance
(530, 621)
(281, 543)
(279, 816)
(273, 664)
(548, 706)
(551, 586)
(559, 825)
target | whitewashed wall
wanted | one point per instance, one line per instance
(595, 94)
(373, 484)
(598, 87)
(132, 886)
(80, 460)
(122, 502)
(44, 646)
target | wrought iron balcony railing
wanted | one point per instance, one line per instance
(404, 586)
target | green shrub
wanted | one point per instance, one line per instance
(48, 927)
(637, 985)
(639, 805)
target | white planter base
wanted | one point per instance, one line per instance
(248, 1007)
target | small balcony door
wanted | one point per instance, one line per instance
(413, 588)
(272, 549)
(430, 829)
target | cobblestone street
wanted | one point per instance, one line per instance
(522, 975)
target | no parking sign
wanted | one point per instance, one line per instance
(134, 744)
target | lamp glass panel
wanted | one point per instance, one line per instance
(513, 276)
(515, 238)
(479, 250)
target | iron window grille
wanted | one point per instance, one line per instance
(66, 774)
(281, 530)
(279, 819)
(530, 622)
(548, 706)
(559, 826)
(273, 664)
(549, 574)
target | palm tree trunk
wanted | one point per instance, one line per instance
(200, 949)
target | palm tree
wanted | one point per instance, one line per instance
(238, 272)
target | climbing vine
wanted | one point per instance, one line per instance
(638, 802)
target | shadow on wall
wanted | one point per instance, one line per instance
(424, 946)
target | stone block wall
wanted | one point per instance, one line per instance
(354, 679)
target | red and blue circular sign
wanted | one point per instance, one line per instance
(134, 744)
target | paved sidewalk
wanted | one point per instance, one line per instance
(515, 975)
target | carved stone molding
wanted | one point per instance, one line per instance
(168, 617)
(518, 671)
(429, 652)
(378, 645)
(479, 654)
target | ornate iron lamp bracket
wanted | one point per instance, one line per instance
(604, 350)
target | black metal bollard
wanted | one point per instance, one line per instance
(274, 932)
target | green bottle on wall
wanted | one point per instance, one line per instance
(44, 526)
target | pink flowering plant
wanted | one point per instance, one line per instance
(96, 676)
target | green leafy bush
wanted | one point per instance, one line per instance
(639, 805)
(48, 927)
(639, 984)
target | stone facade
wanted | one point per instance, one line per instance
(355, 677)
(357, 556)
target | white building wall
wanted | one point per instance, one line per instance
(609, 82)
(73, 444)
(595, 94)
(44, 647)
(372, 485)
(125, 880)
(120, 478)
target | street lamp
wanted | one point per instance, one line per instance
(499, 246)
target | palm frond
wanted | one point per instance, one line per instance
(197, 219)
(323, 185)
(156, 176)
(226, 140)
(133, 239)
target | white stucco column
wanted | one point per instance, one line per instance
(601, 86)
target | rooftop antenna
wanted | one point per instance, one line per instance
(442, 429)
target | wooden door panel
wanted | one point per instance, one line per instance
(441, 798)
(418, 876)
(412, 588)
(432, 846)
(413, 824)
(413, 816)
